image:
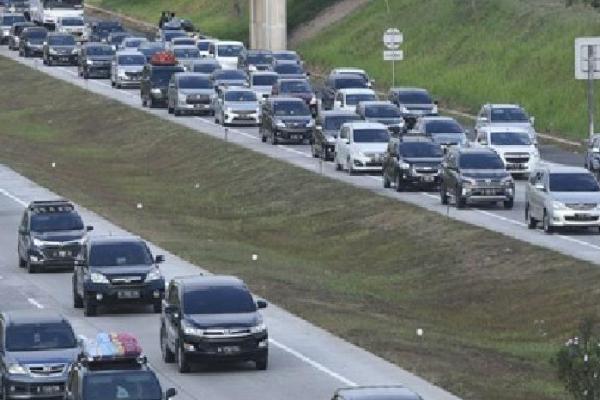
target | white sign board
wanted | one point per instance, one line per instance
(393, 55)
(393, 38)
(584, 47)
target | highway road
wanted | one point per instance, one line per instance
(584, 245)
(304, 360)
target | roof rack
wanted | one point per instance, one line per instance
(113, 349)
(166, 58)
(51, 206)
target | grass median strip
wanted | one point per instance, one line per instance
(372, 270)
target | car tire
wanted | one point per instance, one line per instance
(151, 102)
(548, 228)
(77, 300)
(531, 222)
(44, 61)
(399, 184)
(89, 309)
(167, 355)
(443, 194)
(263, 138)
(183, 365)
(460, 201)
(386, 181)
(262, 363)
(508, 204)
(112, 83)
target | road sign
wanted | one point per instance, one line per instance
(393, 55)
(393, 38)
(587, 58)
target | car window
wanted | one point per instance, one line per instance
(289, 108)
(119, 254)
(218, 300)
(573, 182)
(38, 337)
(240, 96)
(133, 385)
(194, 82)
(56, 222)
(422, 150)
(333, 123)
(295, 87)
(264, 80)
(132, 59)
(510, 138)
(443, 126)
(509, 114)
(187, 53)
(414, 98)
(229, 50)
(370, 136)
(382, 111)
(354, 99)
(480, 161)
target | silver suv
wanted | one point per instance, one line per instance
(560, 196)
(503, 115)
(190, 92)
(126, 68)
(236, 106)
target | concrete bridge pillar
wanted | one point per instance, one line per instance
(268, 24)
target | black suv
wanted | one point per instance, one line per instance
(299, 88)
(212, 318)
(36, 350)
(60, 48)
(285, 118)
(475, 175)
(95, 60)
(336, 82)
(113, 374)
(327, 127)
(414, 161)
(100, 30)
(117, 271)
(31, 41)
(375, 393)
(51, 235)
(154, 86)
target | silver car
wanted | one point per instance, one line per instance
(505, 115)
(236, 106)
(126, 68)
(187, 55)
(6, 22)
(190, 92)
(560, 196)
(262, 83)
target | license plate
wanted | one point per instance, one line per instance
(50, 389)
(229, 349)
(488, 192)
(64, 59)
(128, 294)
(296, 137)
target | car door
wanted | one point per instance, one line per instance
(172, 92)
(451, 173)
(338, 103)
(342, 145)
(537, 195)
(481, 119)
(172, 318)
(23, 237)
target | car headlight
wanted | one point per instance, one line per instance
(38, 242)
(191, 331)
(16, 369)
(280, 124)
(154, 275)
(404, 165)
(52, 51)
(260, 328)
(559, 205)
(89, 62)
(97, 277)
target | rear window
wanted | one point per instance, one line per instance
(350, 83)
(414, 98)
(218, 300)
(264, 80)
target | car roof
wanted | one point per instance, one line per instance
(58, 34)
(504, 128)
(209, 280)
(357, 91)
(473, 150)
(97, 44)
(377, 392)
(498, 105)
(408, 89)
(196, 74)
(207, 61)
(263, 73)
(287, 99)
(564, 169)
(184, 47)
(114, 239)
(293, 80)
(24, 23)
(339, 113)
(129, 52)
(229, 42)
(377, 103)
(345, 70)
(237, 89)
(285, 52)
(32, 317)
(437, 118)
(35, 28)
(258, 51)
(11, 15)
(416, 139)
(136, 38)
(334, 75)
(365, 125)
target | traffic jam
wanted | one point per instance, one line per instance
(399, 136)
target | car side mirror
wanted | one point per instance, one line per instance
(261, 304)
(170, 393)
(89, 228)
(540, 186)
(532, 120)
(159, 259)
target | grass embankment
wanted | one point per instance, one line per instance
(365, 267)
(227, 19)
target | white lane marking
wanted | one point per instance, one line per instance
(581, 242)
(430, 195)
(313, 363)
(35, 303)
(290, 150)
(375, 178)
(501, 218)
(13, 197)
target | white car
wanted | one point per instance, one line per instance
(73, 25)
(355, 71)
(262, 83)
(513, 145)
(512, 115)
(132, 43)
(182, 41)
(226, 53)
(361, 146)
(203, 45)
(348, 99)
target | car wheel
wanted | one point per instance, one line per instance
(89, 309)
(461, 202)
(44, 61)
(182, 362)
(386, 181)
(77, 300)
(443, 194)
(399, 184)
(170, 110)
(151, 102)
(548, 228)
(508, 204)
(338, 166)
(531, 222)
(274, 138)
(167, 355)
(262, 364)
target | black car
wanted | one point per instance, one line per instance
(51, 235)
(212, 318)
(117, 271)
(114, 374)
(383, 112)
(15, 33)
(31, 41)
(327, 127)
(475, 175)
(100, 30)
(289, 70)
(336, 82)
(60, 48)
(36, 350)
(299, 88)
(375, 393)
(95, 60)
(255, 60)
(154, 86)
(285, 119)
(413, 161)
(148, 49)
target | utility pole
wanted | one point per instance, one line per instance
(591, 56)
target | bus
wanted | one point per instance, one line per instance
(48, 12)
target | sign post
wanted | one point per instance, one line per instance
(587, 67)
(392, 39)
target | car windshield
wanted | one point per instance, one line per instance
(354, 99)
(203, 46)
(194, 82)
(206, 68)
(421, 150)
(99, 51)
(133, 42)
(335, 123)
(289, 69)
(218, 300)
(414, 98)
(39, 337)
(295, 87)
(187, 53)
(37, 33)
(162, 76)
(169, 35)
(148, 52)
(509, 114)
(289, 108)
(573, 182)
(285, 56)
(230, 75)
(72, 22)
(66, 40)
(52, 222)
(384, 111)
(371, 136)
(184, 41)
(133, 385)
(448, 126)
(350, 83)
(240, 96)
(229, 50)
(9, 20)
(117, 39)
(109, 26)
(264, 80)
(132, 59)
(119, 254)
(449, 138)
(255, 59)
(63, 3)
(510, 138)
(480, 161)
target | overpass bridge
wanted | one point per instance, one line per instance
(268, 24)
